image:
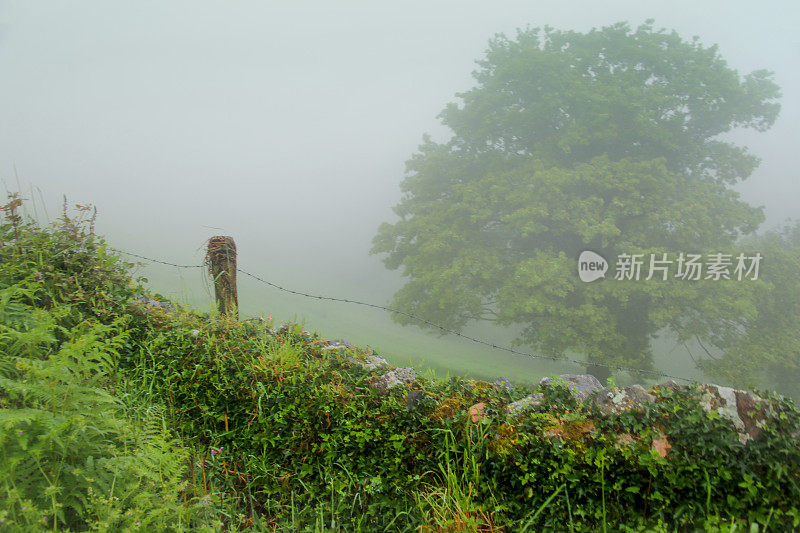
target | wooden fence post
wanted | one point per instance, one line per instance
(221, 261)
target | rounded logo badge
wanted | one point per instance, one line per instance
(591, 266)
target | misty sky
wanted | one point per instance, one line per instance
(287, 124)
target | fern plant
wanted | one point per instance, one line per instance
(68, 455)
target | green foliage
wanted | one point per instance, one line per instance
(765, 349)
(604, 141)
(123, 417)
(65, 263)
(71, 457)
(303, 421)
(287, 421)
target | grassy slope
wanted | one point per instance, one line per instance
(444, 355)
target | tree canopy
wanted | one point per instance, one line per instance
(765, 347)
(607, 141)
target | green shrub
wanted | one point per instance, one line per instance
(65, 263)
(295, 420)
(73, 455)
(69, 456)
(115, 416)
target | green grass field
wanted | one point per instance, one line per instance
(401, 345)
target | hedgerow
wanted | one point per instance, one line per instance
(241, 425)
(75, 453)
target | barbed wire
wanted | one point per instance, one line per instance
(433, 324)
(155, 260)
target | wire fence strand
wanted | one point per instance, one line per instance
(431, 324)
(155, 260)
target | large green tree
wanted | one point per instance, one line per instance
(608, 141)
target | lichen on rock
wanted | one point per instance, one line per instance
(581, 386)
(617, 400)
(394, 378)
(368, 362)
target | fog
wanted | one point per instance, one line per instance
(287, 125)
